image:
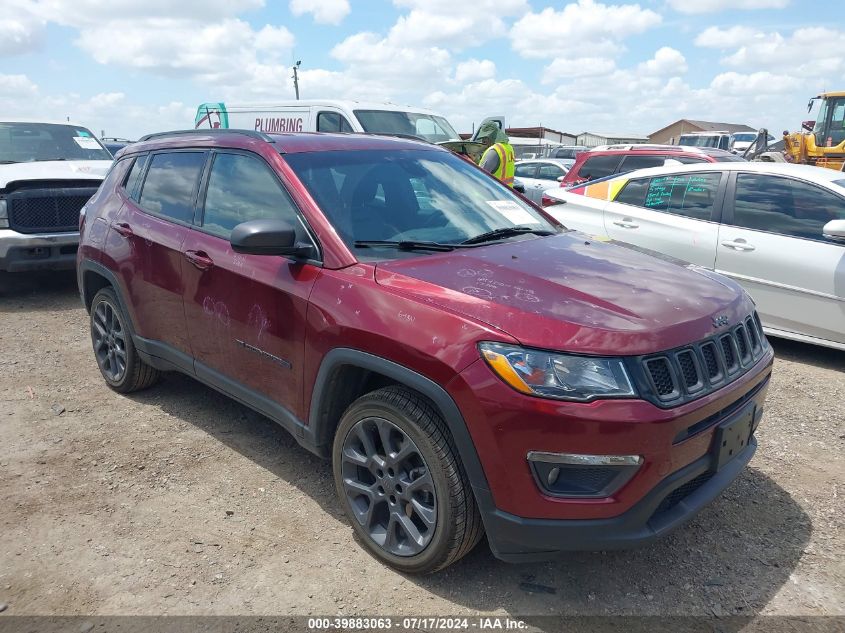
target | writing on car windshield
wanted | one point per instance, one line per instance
(418, 196)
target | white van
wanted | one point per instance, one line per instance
(331, 116)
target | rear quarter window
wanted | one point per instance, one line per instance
(634, 192)
(134, 176)
(599, 166)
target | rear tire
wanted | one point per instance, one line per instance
(402, 484)
(118, 360)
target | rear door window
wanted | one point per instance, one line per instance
(689, 195)
(171, 184)
(599, 167)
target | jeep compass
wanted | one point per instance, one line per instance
(467, 364)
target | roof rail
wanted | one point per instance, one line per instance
(205, 131)
(644, 146)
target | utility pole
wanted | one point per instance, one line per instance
(296, 78)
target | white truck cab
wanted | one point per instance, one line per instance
(48, 171)
(720, 139)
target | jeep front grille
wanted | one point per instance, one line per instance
(692, 371)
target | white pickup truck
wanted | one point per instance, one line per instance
(48, 171)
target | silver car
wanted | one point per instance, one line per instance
(538, 174)
(776, 228)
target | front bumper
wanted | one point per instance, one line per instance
(514, 539)
(681, 463)
(21, 252)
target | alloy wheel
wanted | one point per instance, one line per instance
(109, 339)
(389, 486)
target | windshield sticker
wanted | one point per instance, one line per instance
(87, 142)
(83, 133)
(513, 212)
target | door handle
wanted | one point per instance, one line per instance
(738, 244)
(199, 259)
(627, 223)
(123, 229)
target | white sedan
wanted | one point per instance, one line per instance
(776, 228)
(538, 174)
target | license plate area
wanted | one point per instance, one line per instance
(732, 436)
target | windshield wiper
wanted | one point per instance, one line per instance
(508, 231)
(406, 245)
(8, 162)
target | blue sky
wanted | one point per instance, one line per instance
(134, 66)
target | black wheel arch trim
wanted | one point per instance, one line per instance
(88, 265)
(322, 429)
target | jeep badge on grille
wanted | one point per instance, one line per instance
(720, 321)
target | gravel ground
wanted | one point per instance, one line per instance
(177, 500)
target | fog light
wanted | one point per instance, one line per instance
(578, 475)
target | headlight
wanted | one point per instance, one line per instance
(560, 376)
(4, 215)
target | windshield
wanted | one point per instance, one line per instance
(409, 195)
(744, 138)
(28, 142)
(425, 126)
(696, 140)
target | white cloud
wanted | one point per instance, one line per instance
(666, 62)
(711, 6)
(324, 11)
(807, 52)
(587, 25)
(215, 52)
(369, 55)
(456, 24)
(567, 68)
(83, 12)
(753, 84)
(16, 87)
(715, 37)
(475, 69)
(21, 30)
(112, 112)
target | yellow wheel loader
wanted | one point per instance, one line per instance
(822, 143)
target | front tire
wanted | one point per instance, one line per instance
(118, 360)
(401, 482)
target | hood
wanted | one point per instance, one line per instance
(569, 292)
(54, 170)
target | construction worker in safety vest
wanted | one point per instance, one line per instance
(498, 158)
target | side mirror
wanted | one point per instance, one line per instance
(518, 186)
(560, 178)
(267, 237)
(808, 125)
(834, 230)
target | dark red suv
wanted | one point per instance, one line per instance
(615, 159)
(467, 364)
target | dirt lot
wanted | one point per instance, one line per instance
(179, 501)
